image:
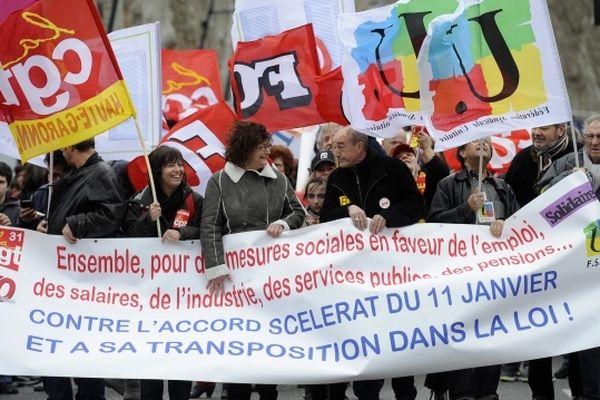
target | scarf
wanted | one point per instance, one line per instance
(592, 170)
(543, 158)
(170, 205)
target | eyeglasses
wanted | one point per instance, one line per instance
(264, 146)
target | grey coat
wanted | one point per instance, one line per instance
(237, 200)
(558, 170)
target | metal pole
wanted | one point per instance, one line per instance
(113, 14)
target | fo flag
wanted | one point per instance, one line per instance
(60, 82)
(200, 138)
(273, 79)
(491, 66)
(329, 98)
(190, 82)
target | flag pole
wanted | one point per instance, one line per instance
(574, 139)
(479, 174)
(50, 183)
(150, 177)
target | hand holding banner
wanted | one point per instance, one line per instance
(324, 303)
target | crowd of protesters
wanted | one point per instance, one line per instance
(399, 182)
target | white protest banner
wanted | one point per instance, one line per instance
(492, 66)
(138, 53)
(8, 147)
(323, 303)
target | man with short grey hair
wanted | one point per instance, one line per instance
(527, 168)
(588, 157)
(367, 185)
(585, 384)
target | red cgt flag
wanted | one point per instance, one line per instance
(200, 138)
(190, 82)
(61, 82)
(273, 79)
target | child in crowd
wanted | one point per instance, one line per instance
(314, 195)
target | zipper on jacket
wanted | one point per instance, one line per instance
(267, 198)
(373, 185)
(362, 204)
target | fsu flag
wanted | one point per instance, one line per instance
(200, 138)
(491, 66)
(190, 82)
(381, 79)
(61, 84)
(273, 79)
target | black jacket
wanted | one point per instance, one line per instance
(11, 209)
(435, 171)
(379, 185)
(138, 223)
(450, 201)
(88, 199)
(522, 175)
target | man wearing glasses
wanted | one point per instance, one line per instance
(586, 384)
(550, 143)
(589, 158)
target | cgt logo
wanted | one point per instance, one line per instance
(39, 77)
(177, 106)
(11, 246)
(592, 239)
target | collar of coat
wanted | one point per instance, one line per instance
(235, 173)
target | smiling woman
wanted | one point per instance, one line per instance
(178, 208)
(178, 211)
(247, 195)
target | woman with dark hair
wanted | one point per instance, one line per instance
(178, 211)
(246, 195)
(34, 176)
(283, 159)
